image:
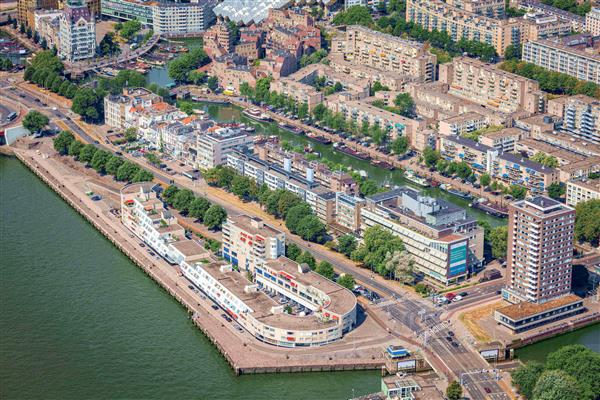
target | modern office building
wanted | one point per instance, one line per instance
(492, 87)
(363, 46)
(77, 34)
(213, 147)
(582, 190)
(248, 242)
(580, 116)
(566, 56)
(444, 243)
(540, 253)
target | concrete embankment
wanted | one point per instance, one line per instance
(245, 357)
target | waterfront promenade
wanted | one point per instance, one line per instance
(360, 350)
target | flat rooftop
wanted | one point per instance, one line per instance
(189, 247)
(260, 303)
(342, 299)
(254, 225)
(526, 309)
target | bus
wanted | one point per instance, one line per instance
(11, 116)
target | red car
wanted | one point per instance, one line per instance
(450, 296)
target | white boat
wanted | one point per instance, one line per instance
(416, 179)
(257, 115)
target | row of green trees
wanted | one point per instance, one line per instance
(380, 251)
(104, 162)
(587, 221)
(433, 159)
(573, 6)
(211, 215)
(570, 373)
(298, 215)
(324, 268)
(550, 81)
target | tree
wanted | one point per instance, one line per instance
(47, 60)
(312, 229)
(346, 244)
(454, 391)
(88, 104)
(373, 252)
(292, 251)
(198, 208)
(214, 217)
(141, 175)
(518, 192)
(430, 156)
(285, 202)
(99, 160)
(295, 215)
(512, 52)
(112, 165)
(556, 190)
(556, 385)
(75, 148)
(212, 83)
(35, 121)
(169, 193)
(183, 199)
(347, 281)
(129, 28)
(355, 15)
(87, 153)
(131, 134)
(5, 64)
(582, 364)
(401, 265)
(526, 376)
(325, 269)
(126, 171)
(63, 141)
(306, 258)
(180, 68)
(108, 46)
(400, 145)
(405, 105)
(368, 188)
(485, 180)
(499, 240)
(587, 221)
(243, 187)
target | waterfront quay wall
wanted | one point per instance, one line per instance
(205, 322)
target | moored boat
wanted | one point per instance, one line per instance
(257, 115)
(410, 176)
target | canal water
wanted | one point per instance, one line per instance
(78, 320)
(588, 336)
(228, 113)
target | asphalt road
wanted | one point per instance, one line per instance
(457, 358)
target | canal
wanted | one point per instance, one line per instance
(78, 320)
(229, 113)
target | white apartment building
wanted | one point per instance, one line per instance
(214, 147)
(319, 198)
(582, 190)
(116, 107)
(249, 242)
(555, 55)
(180, 19)
(47, 25)
(592, 21)
(77, 35)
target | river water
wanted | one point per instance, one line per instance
(78, 320)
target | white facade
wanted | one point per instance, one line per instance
(592, 21)
(578, 191)
(182, 18)
(213, 148)
(77, 35)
